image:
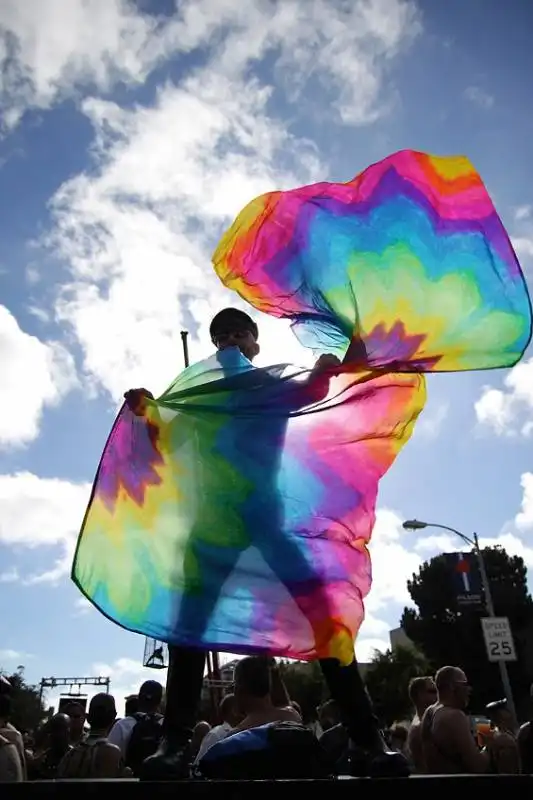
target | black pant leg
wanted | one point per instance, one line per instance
(346, 687)
(184, 690)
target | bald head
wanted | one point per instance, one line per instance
(447, 677)
(59, 722)
(452, 686)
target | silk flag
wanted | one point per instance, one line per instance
(236, 512)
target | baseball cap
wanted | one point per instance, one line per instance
(231, 319)
(151, 690)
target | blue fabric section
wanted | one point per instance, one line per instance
(245, 741)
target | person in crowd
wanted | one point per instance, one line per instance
(230, 718)
(94, 756)
(422, 693)
(398, 738)
(525, 741)
(148, 710)
(200, 731)
(45, 765)
(253, 695)
(448, 746)
(504, 752)
(9, 733)
(77, 715)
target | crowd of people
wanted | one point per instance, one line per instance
(261, 733)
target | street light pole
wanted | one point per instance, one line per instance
(415, 524)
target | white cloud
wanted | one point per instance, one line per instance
(137, 232)
(82, 606)
(508, 540)
(48, 48)
(35, 374)
(509, 411)
(392, 563)
(12, 658)
(524, 519)
(523, 212)
(479, 97)
(430, 423)
(523, 246)
(365, 649)
(42, 512)
(10, 575)
(440, 543)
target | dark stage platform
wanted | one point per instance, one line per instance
(338, 789)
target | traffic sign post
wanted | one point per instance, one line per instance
(498, 639)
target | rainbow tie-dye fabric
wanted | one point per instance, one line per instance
(409, 259)
(235, 513)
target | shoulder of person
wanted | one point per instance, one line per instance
(503, 739)
(109, 747)
(289, 713)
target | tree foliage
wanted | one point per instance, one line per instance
(448, 633)
(305, 684)
(27, 709)
(387, 680)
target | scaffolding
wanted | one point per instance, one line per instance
(72, 684)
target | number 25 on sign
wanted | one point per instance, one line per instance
(498, 639)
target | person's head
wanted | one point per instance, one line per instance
(59, 731)
(132, 705)
(233, 328)
(102, 712)
(328, 715)
(422, 693)
(228, 710)
(252, 683)
(499, 714)
(76, 713)
(398, 737)
(200, 731)
(452, 687)
(5, 707)
(150, 696)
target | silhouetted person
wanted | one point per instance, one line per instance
(258, 448)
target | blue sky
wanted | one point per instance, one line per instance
(131, 135)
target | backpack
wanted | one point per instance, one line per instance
(144, 740)
(279, 750)
(80, 760)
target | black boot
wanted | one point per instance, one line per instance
(170, 762)
(367, 753)
(376, 762)
(172, 759)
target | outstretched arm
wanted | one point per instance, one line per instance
(316, 386)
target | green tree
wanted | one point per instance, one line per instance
(305, 685)
(387, 680)
(449, 633)
(27, 708)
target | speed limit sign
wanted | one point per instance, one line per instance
(498, 639)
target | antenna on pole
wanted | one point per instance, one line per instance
(184, 335)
